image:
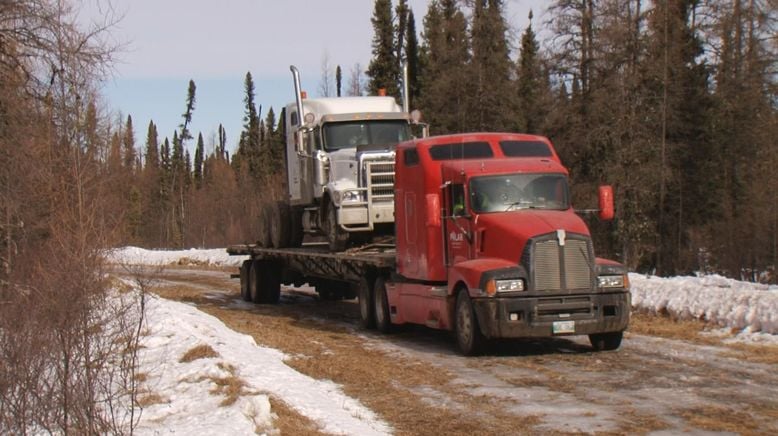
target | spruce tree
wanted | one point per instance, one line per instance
(529, 81)
(338, 81)
(384, 70)
(491, 103)
(128, 146)
(198, 161)
(444, 78)
(412, 60)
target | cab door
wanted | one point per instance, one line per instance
(457, 222)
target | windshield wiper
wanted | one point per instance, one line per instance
(522, 204)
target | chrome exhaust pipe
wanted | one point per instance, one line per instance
(298, 95)
(406, 97)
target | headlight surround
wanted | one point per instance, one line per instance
(505, 285)
(613, 281)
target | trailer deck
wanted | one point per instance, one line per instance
(315, 260)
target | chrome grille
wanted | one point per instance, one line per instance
(577, 267)
(380, 176)
(547, 270)
(556, 267)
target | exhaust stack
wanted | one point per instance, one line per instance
(406, 97)
(297, 94)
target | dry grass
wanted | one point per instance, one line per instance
(150, 398)
(203, 351)
(691, 330)
(721, 419)
(291, 422)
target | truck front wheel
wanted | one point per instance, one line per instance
(336, 236)
(606, 341)
(469, 337)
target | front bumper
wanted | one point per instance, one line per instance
(363, 217)
(518, 317)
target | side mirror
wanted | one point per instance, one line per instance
(606, 202)
(433, 210)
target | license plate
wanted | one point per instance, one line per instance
(560, 327)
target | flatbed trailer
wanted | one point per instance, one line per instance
(335, 275)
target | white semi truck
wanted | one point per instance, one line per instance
(340, 169)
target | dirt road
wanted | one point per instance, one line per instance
(666, 378)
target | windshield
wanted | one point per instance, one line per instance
(519, 191)
(354, 133)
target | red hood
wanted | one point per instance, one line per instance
(506, 233)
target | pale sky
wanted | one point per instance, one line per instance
(168, 42)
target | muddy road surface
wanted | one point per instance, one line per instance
(667, 377)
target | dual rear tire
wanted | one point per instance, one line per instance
(262, 283)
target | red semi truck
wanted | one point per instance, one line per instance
(487, 245)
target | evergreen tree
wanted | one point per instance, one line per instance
(529, 83)
(338, 81)
(222, 145)
(444, 77)
(412, 60)
(491, 105)
(384, 70)
(128, 146)
(198, 161)
(187, 115)
(249, 144)
(152, 147)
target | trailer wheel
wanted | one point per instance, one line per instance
(336, 236)
(383, 321)
(245, 270)
(255, 281)
(366, 306)
(279, 224)
(469, 337)
(606, 341)
(272, 285)
(263, 240)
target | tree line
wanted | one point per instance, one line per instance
(673, 102)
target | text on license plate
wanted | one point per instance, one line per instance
(560, 327)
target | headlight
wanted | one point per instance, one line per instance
(352, 196)
(619, 281)
(509, 285)
(512, 285)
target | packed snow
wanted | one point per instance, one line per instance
(188, 400)
(188, 404)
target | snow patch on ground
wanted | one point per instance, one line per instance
(751, 308)
(189, 402)
(142, 256)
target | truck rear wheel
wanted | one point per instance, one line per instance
(279, 224)
(383, 321)
(296, 233)
(336, 236)
(469, 337)
(245, 270)
(606, 341)
(366, 306)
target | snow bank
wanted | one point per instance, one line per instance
(751, 307)
(141, 256)
(188, 403)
